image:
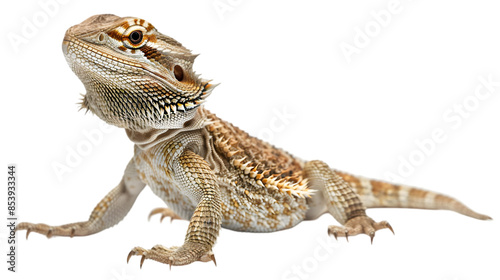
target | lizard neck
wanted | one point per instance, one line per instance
(149, 137)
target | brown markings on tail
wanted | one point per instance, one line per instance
(376, 194)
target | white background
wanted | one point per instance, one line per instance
(362, 117)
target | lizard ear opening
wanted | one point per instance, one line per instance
(178, 73)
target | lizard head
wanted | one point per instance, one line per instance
(134, 76)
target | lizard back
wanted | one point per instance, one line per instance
(258, 178)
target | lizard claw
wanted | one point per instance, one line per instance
(334, 230)
(357, 225)
(28, 230)
(213, 259)
(165, 212)
(136, 251)
(139, 252)
(130, 254)
(385, 224)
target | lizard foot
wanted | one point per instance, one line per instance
(50, 231)
(165, 212)
(357, 225)
(186, 254)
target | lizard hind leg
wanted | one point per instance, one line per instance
(338, 198)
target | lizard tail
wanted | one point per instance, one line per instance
(376, 194)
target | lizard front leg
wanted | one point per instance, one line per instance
(198, 181)
(341, 202)
(110, 210)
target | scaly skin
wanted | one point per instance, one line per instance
(205, 169)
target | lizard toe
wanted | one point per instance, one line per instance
(359, 225)
(165, 212)
(174, 256)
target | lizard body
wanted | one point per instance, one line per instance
(205, 169)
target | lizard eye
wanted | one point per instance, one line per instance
(135, 37)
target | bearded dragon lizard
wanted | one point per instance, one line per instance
(205, 169)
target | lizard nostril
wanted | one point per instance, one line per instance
(178, 73)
